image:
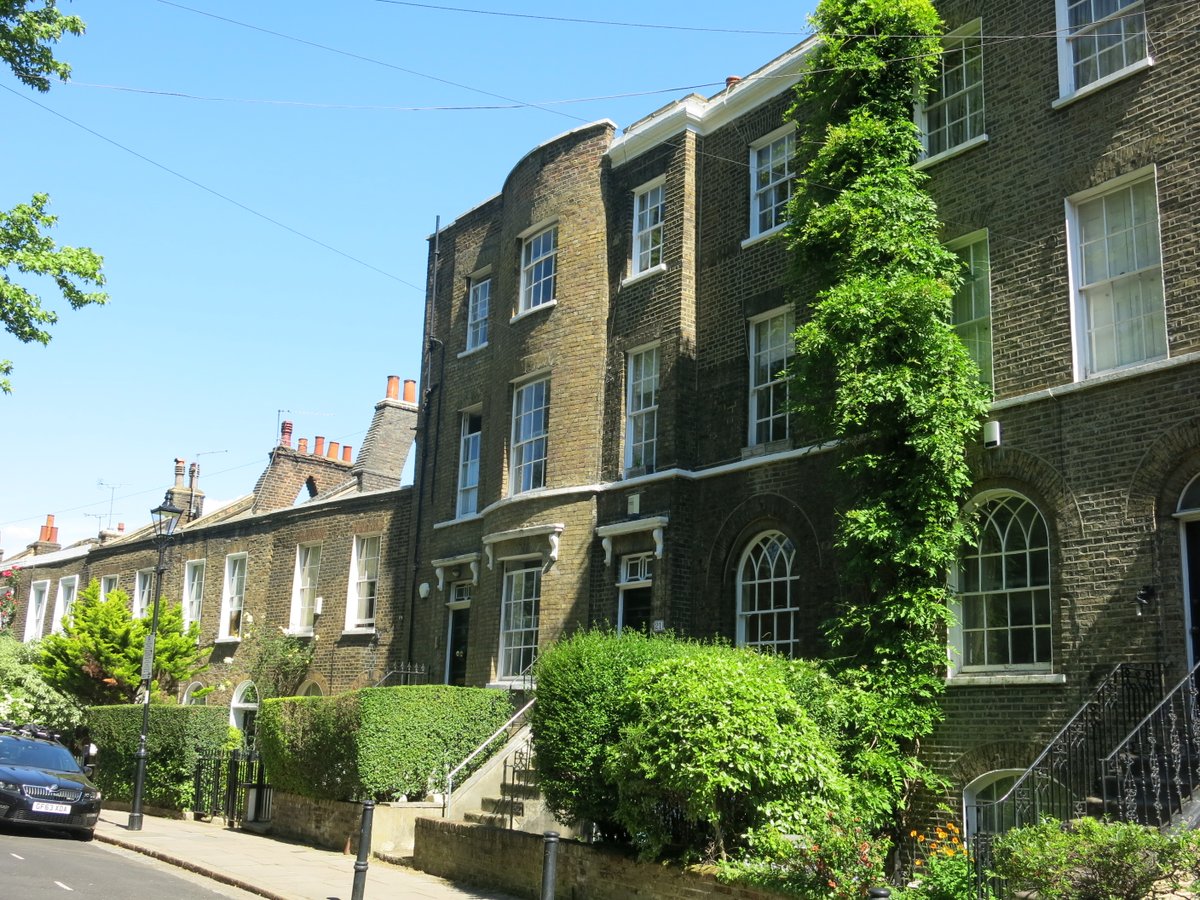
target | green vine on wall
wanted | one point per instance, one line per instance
(878, 364)
(281, 663)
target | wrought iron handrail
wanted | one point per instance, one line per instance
(1155, 770)
(504, 729)
(1062, 777)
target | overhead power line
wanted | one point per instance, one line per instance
(215, 193)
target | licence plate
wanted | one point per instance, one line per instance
(60, 808)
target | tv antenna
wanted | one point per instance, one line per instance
(112, 492)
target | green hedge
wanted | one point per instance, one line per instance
(378, 742)
(178, 734)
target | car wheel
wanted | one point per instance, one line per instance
(85, 835)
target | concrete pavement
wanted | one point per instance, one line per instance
(273, 868)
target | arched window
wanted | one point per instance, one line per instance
(310, 689)
(768, 595)
(1003, 589)
(189, 695)
(980, 812)
(244, 709)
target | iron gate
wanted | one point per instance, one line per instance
(232, 784)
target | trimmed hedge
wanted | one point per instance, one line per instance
(177, 736)
(379, 742)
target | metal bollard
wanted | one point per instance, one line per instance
(549, 865)
(881, 892)
(364, 850)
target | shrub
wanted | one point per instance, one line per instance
(828, 860)
(944, 869)
(177, 736)
(24, 694)
(716, 738)
(384, 743)
(1090, 860)
(577, 716)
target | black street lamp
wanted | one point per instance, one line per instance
(166, 517)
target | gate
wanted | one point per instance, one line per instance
(232, 784)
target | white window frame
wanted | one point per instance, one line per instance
(469, 446)
(1149, 278)
(1069, 85)
(108, 584)
(765, 181)
(974, 250)
(519, 618)
(529, 453)
(768, 391)
(971, 801)
(35, 614)
(1043, 633)
(781, 568)
(193, 591)
(143, 592)
(64, 600)
(479, 302)
(635, 573)
(240, 707)
(306, 586)
(641, 408)
(539, 268)
(964, 102)
(233, 597)
(364, 582)
(649, 214)
(189, 695)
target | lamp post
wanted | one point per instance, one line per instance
(166, 517)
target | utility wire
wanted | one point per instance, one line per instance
(361, 58)
(215, 193)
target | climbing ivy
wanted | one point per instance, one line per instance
(877, 363)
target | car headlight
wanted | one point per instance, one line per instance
(11, 786)
(91, 795)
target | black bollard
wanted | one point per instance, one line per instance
(549, 865)
(364, 851)
(881, 893)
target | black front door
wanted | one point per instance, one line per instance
(456, 666)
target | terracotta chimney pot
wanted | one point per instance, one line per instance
(346, 455)
(393, 388)
(333, 450)
(410, 391)
(319, 449)
(303, 448)
(178, 472)
(285, 434)
(732, 80)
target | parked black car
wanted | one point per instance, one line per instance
(42, 784)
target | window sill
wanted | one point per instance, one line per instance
(299, 632)
(525, 313)
(1100, 84)
(766, 448)
(956, 150)
(509, 684)
(762, 236)
(358, 631)
(228, 640)
(642, 276)
(1006, 679)
(471, 351)
(474, 517)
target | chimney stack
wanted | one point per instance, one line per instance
(285, 434)
(47, 541)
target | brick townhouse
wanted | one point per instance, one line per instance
(603, 435)
(316, 550)
(607, 438)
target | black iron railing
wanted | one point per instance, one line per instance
(1153, 772)
(232, 784)
(1065, 780)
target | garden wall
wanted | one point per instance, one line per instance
(511, 861)
(335, 824)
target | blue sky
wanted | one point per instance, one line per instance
(351, 125)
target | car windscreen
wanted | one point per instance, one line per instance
(36, 755)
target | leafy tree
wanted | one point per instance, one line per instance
(24, 694)
(877, 363)
(27, 33)
(97, 657)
